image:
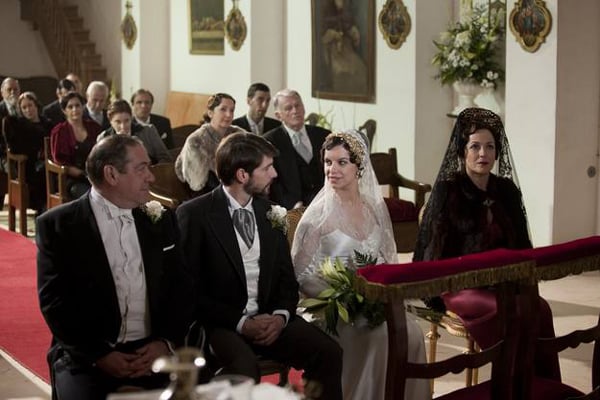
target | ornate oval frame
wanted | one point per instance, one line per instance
(128, 28)
(530, 22)
(235, 27)
(394, 23)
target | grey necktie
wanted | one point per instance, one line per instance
(243, 220)
(127, 239)
(301, 147)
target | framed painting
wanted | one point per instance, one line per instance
(343, 50)
(207, 27)
(530, 21)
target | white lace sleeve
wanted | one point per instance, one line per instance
(305, 252)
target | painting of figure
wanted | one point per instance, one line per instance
(343, 50)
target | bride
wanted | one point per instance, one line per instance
(349, 215)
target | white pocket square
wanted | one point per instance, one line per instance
(168, 247)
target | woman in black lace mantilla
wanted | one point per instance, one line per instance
(471, 210)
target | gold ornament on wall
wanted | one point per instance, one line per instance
(128, 27)
(394, 23)
(235, 27)
(530, 22)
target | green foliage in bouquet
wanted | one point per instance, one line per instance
(341, 300)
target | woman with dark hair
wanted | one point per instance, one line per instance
(122, 123)
(471, 210)
(71, 142)
(348, 215)
(25, 135)
(196, 162)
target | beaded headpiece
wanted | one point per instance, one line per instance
(357, 147)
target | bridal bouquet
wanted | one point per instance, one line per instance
(341, 300)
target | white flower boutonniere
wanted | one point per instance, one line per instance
(154, 210)
(277, 216)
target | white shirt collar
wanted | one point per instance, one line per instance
(110, 210)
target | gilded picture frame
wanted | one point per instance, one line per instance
(207, 27)
(343, 50)
(394, 23)
(235, 27)
(530, 21)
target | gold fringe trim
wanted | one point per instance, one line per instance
(522, 271)
(566, 268)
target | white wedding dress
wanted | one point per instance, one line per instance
(365, 349)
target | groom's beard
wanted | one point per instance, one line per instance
(254, 190)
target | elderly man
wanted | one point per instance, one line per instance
(95, 109)
(299, 170)
(256, 121)
(10, 95)
(111, 283)
(141, 102)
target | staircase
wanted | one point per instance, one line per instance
(67, 40)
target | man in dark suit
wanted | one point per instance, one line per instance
(238, 255)
(53, 112)
(256, 121)
(111, 283)
(10, 91)
(97, 99)
(299, 169)
(141, 102)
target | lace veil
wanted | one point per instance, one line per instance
(325, 214)
(467, 122)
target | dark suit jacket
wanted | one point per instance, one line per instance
(163, 126)
(286, 190)
(268, 124)
(213, 257)
(3, 109)
(76, 289)
(54, 113)
(105, 122)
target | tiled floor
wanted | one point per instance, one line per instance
(575, 302)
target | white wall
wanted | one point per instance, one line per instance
(30, 57)
(578, 103)
(147, 64)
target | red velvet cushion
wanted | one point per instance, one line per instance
(425, 270)
(564, 251)
(401, 210)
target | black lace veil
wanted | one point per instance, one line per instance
(467, 122)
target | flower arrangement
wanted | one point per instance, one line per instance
(277, 216)
(341, 300)
(467, 50)
(154, 210)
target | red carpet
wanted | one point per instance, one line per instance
(23, 332)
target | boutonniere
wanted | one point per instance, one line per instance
(277, 217)
(154, 210)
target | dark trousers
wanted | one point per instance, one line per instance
(300, 345)
(72, 381)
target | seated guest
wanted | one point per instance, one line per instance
(111, 284)
(246, 290)
(256, 121)
(71, 142)
(25, 135)
(52, 111)
(196, 162)
(76, 81)
(10, 90)
(471, 210)
(142, 102)
(119, 115)
(300, 176)
(95, 108)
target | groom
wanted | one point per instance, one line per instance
(246, 289)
